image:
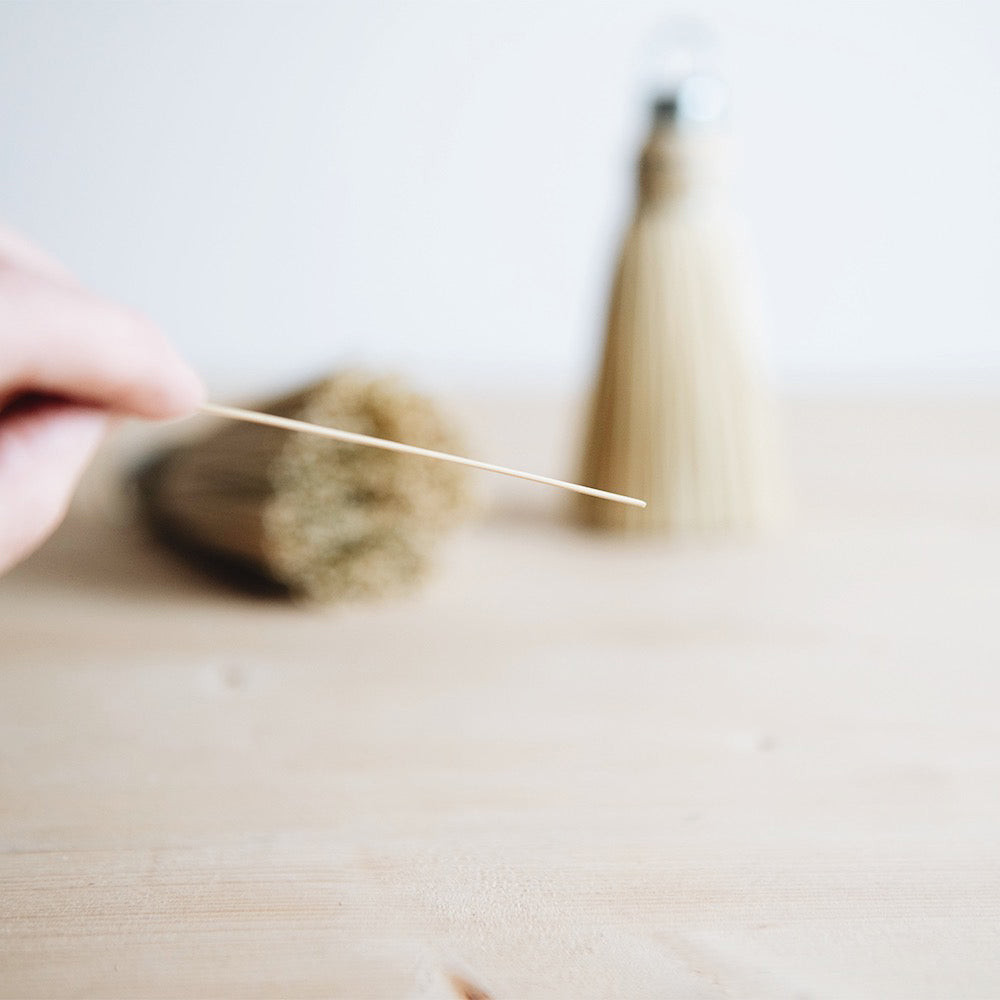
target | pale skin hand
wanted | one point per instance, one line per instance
(69, 362)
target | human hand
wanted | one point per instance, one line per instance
(69, 361)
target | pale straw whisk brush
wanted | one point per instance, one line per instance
(681, 414)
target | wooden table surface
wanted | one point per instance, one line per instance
(568, 768)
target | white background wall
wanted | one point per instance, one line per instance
(439, 187)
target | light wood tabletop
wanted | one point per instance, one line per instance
(569, 767)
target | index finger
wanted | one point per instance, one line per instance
(61, 340)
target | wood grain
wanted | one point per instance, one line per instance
(572, 767)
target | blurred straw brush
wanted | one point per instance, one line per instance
(680, 413)
(323, 520)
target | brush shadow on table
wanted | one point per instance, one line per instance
(89, 553)
(123, 558)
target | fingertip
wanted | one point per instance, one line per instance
(183, 394)
(163, 385)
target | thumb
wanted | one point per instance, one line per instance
(44, 448)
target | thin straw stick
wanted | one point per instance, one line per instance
(286, 423)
